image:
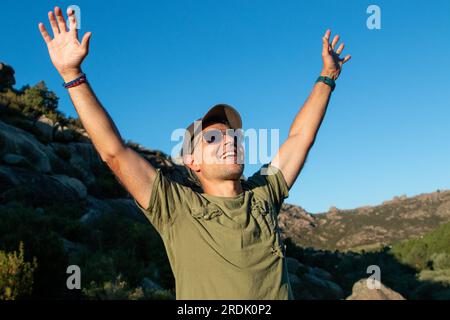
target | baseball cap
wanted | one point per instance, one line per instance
(219, 112)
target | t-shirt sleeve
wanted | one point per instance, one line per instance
(269, 181)
(166, 200)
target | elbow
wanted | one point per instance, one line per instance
(106, 158)
(112, 162)
(110, 156)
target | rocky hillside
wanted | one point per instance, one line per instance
(368, 227)
(64, 205)
(61, 201)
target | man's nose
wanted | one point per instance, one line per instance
(230, 140)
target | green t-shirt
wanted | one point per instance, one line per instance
(223, 247)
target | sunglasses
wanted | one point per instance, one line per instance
(215, 136)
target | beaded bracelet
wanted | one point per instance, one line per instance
(81, 79)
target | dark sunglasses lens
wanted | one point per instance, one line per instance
(238, 136)
(212, 136)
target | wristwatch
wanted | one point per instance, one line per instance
(328, 81)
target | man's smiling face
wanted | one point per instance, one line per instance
(219, 152)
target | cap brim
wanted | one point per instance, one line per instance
(226, 112)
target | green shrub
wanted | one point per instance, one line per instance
(112, 290)
(437, 276)
(16, 275)
(440, 261)
(39, 97)
(42, 242)
(159, 295)
(119, 289)
(421, 253)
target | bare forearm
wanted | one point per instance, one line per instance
(293, 152)
(308, 120)
(95, 119)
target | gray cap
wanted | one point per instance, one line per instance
(218, 112)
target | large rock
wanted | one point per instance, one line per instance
(320, 273)
(293, 265)
(63, 133)
(84, 158)
(17, 141)
(73, 184)
(42, 158)
(309, 287)
(97, 208)
(45, 127)
(326, 289)
(34, 188)
(70, 246)
(312, 283)
(16, 160)
(83, 135)
(127, 208)
(361, 291)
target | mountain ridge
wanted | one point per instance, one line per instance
(367, 226)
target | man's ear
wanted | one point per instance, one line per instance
(188, 161)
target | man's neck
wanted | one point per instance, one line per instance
(223, 188)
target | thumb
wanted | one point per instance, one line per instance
(85, 40)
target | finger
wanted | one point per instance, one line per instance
(72, 21)
(326, 42)
(61, 22)
(335, 41)
(85, 41)
(51, 18)
(339, 50)
(44, 33)
(347, 57)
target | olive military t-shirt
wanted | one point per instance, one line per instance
(223, 247)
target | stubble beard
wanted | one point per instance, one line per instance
(229, 171)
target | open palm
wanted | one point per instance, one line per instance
(332, 62)
(66, 52)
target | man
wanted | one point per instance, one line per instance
(222, 240)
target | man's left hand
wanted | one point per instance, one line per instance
(332, 62)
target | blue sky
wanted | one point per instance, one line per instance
(158, 65)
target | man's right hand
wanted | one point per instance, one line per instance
(66, 52)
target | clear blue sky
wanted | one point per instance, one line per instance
(158, 65)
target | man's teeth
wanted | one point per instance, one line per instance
(229, 154)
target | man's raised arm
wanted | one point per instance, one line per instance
(67, 54)
(293, 152)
